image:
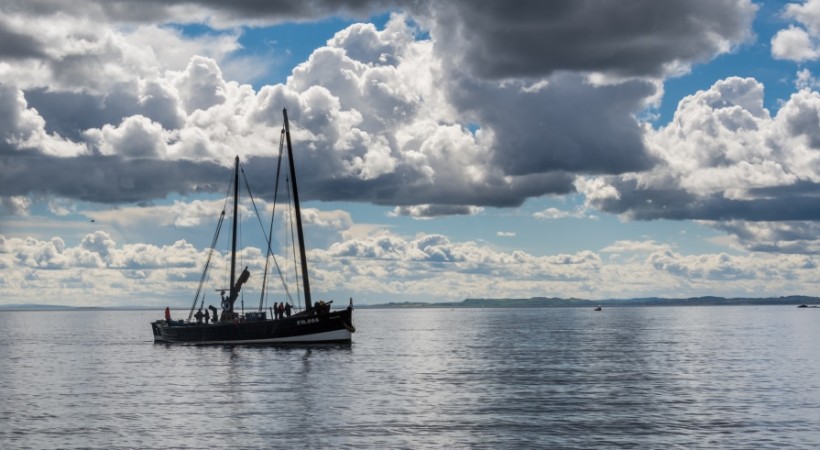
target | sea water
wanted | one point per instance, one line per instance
(632, 377)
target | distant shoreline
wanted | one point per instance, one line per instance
(554, 302)
(534, 302)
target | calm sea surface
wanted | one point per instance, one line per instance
(653, 377)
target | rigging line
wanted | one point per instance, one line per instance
(207, 264)
(205, 292)
(272, 215)
(242, 252)
(211, 250)
(259, 219)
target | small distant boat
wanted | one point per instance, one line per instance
(315, 324)
(803, 306)
(597, 308)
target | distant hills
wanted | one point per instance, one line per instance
(544, 302)
(534, 302)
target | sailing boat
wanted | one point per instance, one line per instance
(315, 324)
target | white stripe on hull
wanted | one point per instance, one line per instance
(327, 336)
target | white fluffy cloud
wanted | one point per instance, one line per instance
(794, 44)
(723, 157)
(16, 205)
(100, 271)
(807, 13)
(555, 213)
(428, 267)
(799, 43)
(22, 128)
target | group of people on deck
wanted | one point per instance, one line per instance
(206, 315)
(199, 316)
(281, 310)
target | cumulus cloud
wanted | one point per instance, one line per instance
(555, 213)
(22, 128)
(725, 159)
(179, 214)
(807, 13)
(137, 273)
(627, 246)
(384, 116)
(187, 215)
(424, 267)
(61, 207)
(794, 44)
(95, 250)
(434, 266)
(443, 111)
(16, 205)
(799, 42)
(136, 137)
(804, 79)
(201, 85)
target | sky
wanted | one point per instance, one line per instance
(444, 150)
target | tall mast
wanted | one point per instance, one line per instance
(233, 244)
(305, 279)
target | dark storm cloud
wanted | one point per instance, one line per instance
(403, 187)
(15, 45)
(70, 113)
(495, 39)
(532, 38)
(104, 179)
(568, 125)
(427, 211)
(180, 11)
(390, 190)
(252, 9)
(798, 237)
(784, 203)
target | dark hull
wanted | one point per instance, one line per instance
(336, 326)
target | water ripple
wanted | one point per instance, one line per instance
(717, 378)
